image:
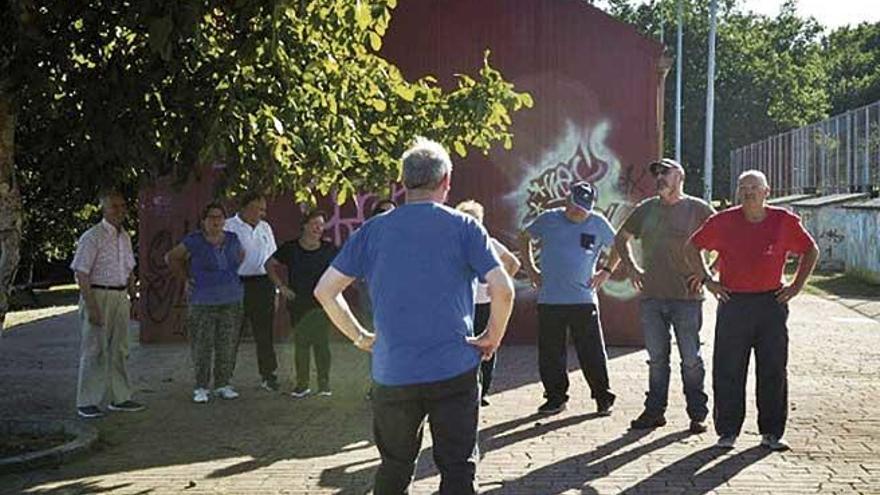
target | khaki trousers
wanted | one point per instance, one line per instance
(104, 351)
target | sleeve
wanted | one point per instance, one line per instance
(478, 250)
(86, 253)
(706, 210)
(634, 222)
(284, 254)
(796, 238)
(538, 227)
(272, 247)
(352, 258)
(606, 233)
(708, 235)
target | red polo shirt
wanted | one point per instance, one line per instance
(753, 254)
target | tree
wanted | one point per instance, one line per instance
(853, 57)
(770, 77)
(291, 95)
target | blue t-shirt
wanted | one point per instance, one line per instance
(420, 262)
(214, 269)
(569, 252)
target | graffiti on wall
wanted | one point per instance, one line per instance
(582, 154)
(343, 221)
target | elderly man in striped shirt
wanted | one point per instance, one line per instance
(103, 266)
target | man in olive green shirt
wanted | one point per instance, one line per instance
(664, 223)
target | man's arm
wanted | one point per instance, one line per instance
(85, 290)
(624, 250)
(806, 265)
(508, 260)
(702, 273)
(528, 258)
(501, 296)
(328, 292)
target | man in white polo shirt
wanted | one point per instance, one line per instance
(258, 241)
(103, 267)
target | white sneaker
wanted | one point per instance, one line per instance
(226, 392)
(201, 395)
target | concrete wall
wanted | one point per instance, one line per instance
(847, 229)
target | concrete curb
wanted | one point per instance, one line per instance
(85, 437)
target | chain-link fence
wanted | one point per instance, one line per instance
(837, 155)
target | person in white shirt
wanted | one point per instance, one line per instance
(258, 242)
(103, 266)
(481, 296)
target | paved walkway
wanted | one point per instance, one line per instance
(267, 443)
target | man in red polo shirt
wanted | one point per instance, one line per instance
(752, 242)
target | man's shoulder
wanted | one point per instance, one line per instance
(93, 233)
(647, 203)
(695, 201)
(783, 213)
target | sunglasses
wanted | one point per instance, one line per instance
(662, 171)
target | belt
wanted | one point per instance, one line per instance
(252, 277)
(109, 287)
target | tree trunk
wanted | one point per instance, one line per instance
(10, 205)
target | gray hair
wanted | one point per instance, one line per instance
(754, 173)
(425, 164)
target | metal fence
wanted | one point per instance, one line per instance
(837, 155)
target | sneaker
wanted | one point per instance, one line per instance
(696, 427)
(325, 392)
(300, 392)
(89, 412)
(774, 443)
(226, 392)
(484, 401)
(201, 395)
(270, 384)
(647, 421)
(127, 406)
(551, 407)
(726, 442)
(605, 407)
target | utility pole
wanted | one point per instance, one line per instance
(710, 105)
(678, 60)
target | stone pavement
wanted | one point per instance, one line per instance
(269, 443)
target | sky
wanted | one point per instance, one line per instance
(829, 13)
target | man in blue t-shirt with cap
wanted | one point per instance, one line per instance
(571, 238)
(421, 262)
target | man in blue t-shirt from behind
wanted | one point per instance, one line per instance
(421, 263)
(572, 238)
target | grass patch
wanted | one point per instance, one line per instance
(59, 295)
(842, 285)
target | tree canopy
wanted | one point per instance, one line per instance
(772, 74)
(292, 96)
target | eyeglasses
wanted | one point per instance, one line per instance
(662, 171)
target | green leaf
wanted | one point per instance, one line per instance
(460, 149)
(375, 42)
(378, 104)
(405, 91)
(362, 14)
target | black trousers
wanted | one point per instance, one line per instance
(259, 314)
(746, 322)
(487, 368)
(311, 334)
(582, 320)
(399, 413)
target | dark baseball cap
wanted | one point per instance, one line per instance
(583, 195)
(666, 163)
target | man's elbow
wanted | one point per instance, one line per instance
(323, 293)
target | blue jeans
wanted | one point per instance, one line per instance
(685, 317)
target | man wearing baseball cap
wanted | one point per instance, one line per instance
(664, 223)
(571, 238)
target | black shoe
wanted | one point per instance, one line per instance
(648, 420)
(604, 407)
(127, 406)
(484, 401)
(697, 426)
(551, 407)
(89, 412)
(270, 383)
